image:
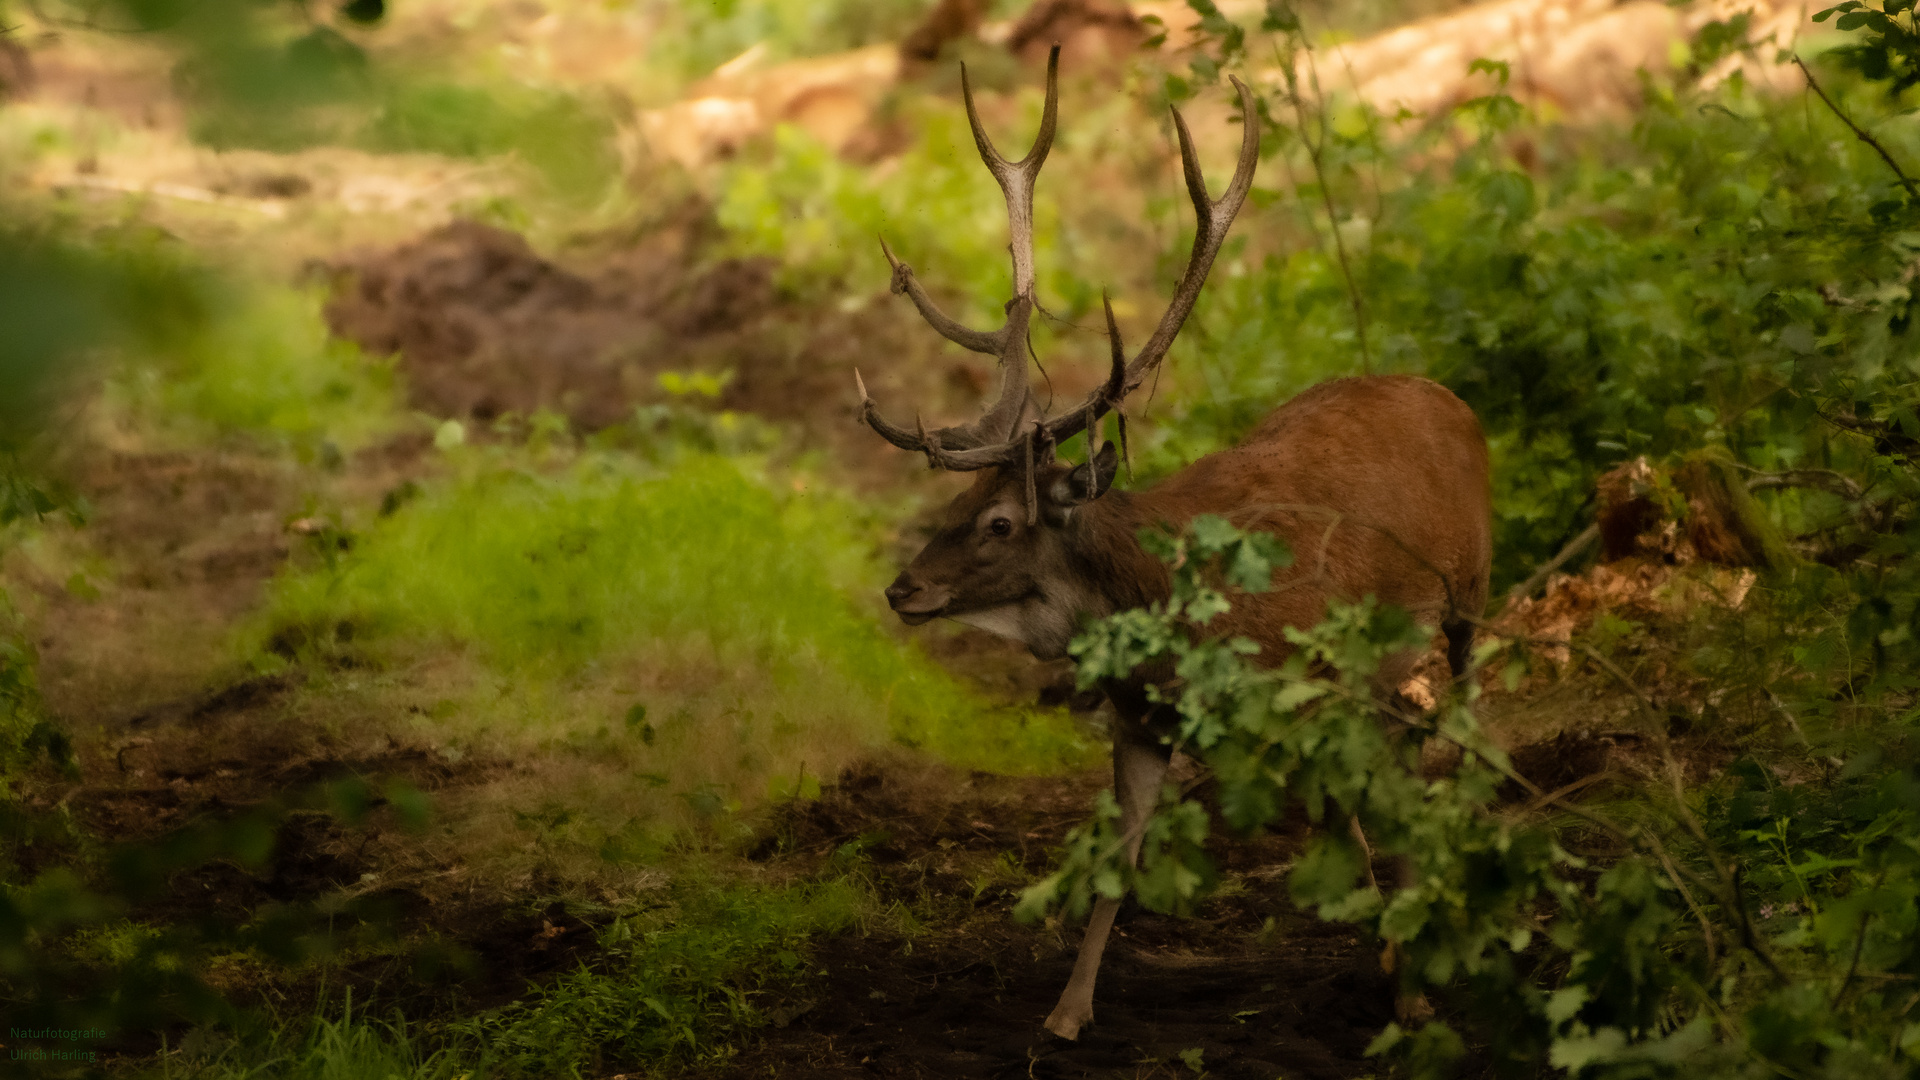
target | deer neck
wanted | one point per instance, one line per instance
(1115, 573)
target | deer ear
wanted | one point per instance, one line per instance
(1086, 482)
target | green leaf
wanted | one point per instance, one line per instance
(1565, 1004)
(1388, 1038)
(1212, 533)
(1577, 1052)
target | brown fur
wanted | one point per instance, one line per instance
(1379, 485)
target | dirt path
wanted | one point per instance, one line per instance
(1249, 987)
(1305, 1005)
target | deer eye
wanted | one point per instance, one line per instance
(1000, 527)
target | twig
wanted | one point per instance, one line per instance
(1825, 479)
(1859, 132)
(1853, 968)
(1893, 439)
(1314, 153)
(1539, 577)
(1673, 874)
(1747, 937)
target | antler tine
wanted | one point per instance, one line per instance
(1210, 231)
(870, 415)
(947, 448)
(1016, 177)
(1116, 387)
(964, 336)
(1009, 343)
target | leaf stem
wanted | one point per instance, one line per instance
(1858, 131)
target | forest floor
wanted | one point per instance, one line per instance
(1250, 986)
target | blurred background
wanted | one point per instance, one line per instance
(439, 559)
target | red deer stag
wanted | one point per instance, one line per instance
(1378, 484)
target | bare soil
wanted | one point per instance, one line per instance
(484, 327)
(1256, 987)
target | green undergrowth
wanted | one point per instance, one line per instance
(1756, 918)
(696, 618)
(673, 981)
(264, 370)
(676, 985)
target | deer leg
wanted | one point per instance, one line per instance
(1409, 1007)
(1139, 764)
(1459, 647)
(1366, 850)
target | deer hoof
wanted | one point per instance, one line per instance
(1412, 1009)
(1067, 1021)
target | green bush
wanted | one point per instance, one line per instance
(1727, 272)
(1767, 922)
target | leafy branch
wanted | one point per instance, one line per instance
(1859, 132)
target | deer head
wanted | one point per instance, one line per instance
(1005, 558)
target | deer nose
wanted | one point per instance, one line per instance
(901, 590)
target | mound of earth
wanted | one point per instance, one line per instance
(484, 326)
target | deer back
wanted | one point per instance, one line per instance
(1379, 485)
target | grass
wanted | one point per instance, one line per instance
(691, 624)
(265, 369)
(672, 983)
(675, 982)
(352, 1046)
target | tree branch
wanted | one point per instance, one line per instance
(1859, 132)
(1539, 577)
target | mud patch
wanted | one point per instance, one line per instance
(1248, 988)
(1170, 993)
(485, 327)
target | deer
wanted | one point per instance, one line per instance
(1379, 484)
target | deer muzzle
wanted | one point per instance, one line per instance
(914, 602)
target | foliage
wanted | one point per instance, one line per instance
(352, 1046)
(64, 293)
(1889, 51)
(1755, 924)
(566, 139)
(80, 946)
(264, 370)
(1731, 272)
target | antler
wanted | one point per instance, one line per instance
(994, 439)
(990, 440)
(1214, 219)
